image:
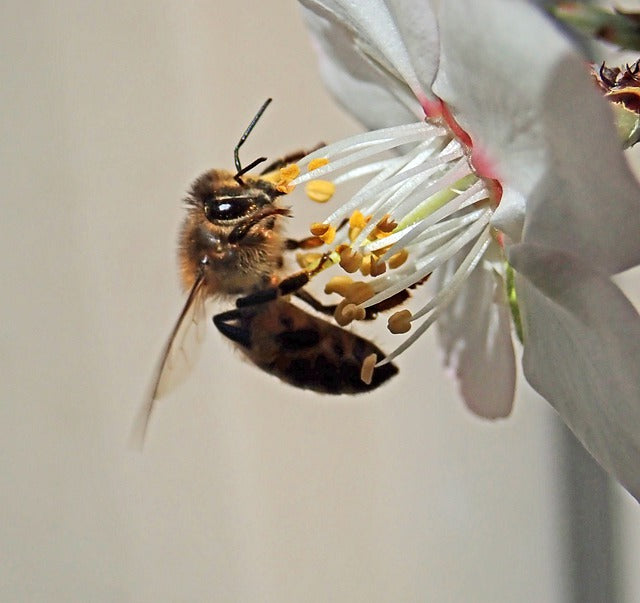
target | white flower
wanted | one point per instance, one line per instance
(516, 160)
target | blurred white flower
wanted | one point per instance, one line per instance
(505, 152)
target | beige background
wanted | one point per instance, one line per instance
(247, 490)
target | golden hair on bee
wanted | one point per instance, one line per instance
(231, 245)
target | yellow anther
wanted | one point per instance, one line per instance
(282, 179)
(346, 312)
(338, 284)
(290, 171)
(378, 253)
(350, 260)
(358, 220)
(320, 191)
(359, 292)
(386, 225)
(325, 231)
(365, 267)
(383, 228)
(308, 261)
(340, 316)
(285, 186)
(354, 231)
(314, 164)
(397, 259)
(329, 236)
(319, 228)
(399, 322)
(359, 313)
(377, 268)
(366, 372)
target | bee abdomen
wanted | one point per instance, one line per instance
(310, 353)
(330, 374)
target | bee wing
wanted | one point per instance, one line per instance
(178, 358)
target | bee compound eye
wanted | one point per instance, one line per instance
(227, 208)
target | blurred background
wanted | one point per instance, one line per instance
(247, 490)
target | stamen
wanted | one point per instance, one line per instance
(369, 168)
(385, 226)
(359, 292)
(419, 154)
(366, 372)
(350, 260)
(395, 261)
(346, 312)
(308, 261)
(365, 267)
(433, 234)
(473, 190)
(358, 220)
(463, 271)
(391, 168)
(356, 223)
(400, 322)
(338, 284)
(378, 253)
(437, 213)
(418, 131)
(319, 191)
(474, 256)
(383, 185)
(376, 268)
(290, 171)
(314, 164)
(285, 176)
(368, 151)
(416, 211)
(325, 231)
(428, 264)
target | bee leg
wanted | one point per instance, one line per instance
(316, 304)
(306, 243)
(287, 286)
(235, 333)
(370, 313)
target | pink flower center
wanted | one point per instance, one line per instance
(480, 161)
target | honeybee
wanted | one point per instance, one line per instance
(231, 245)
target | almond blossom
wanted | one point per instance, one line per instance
(506, 182)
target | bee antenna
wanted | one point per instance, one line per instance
(239, 169)
(248, 168)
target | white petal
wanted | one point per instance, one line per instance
(496, 56)
(582, 353)
(398, 37)
(475, 333)
(588, 204)
(510, 214)
(529, 103)
(418, 29)
(377, 102)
